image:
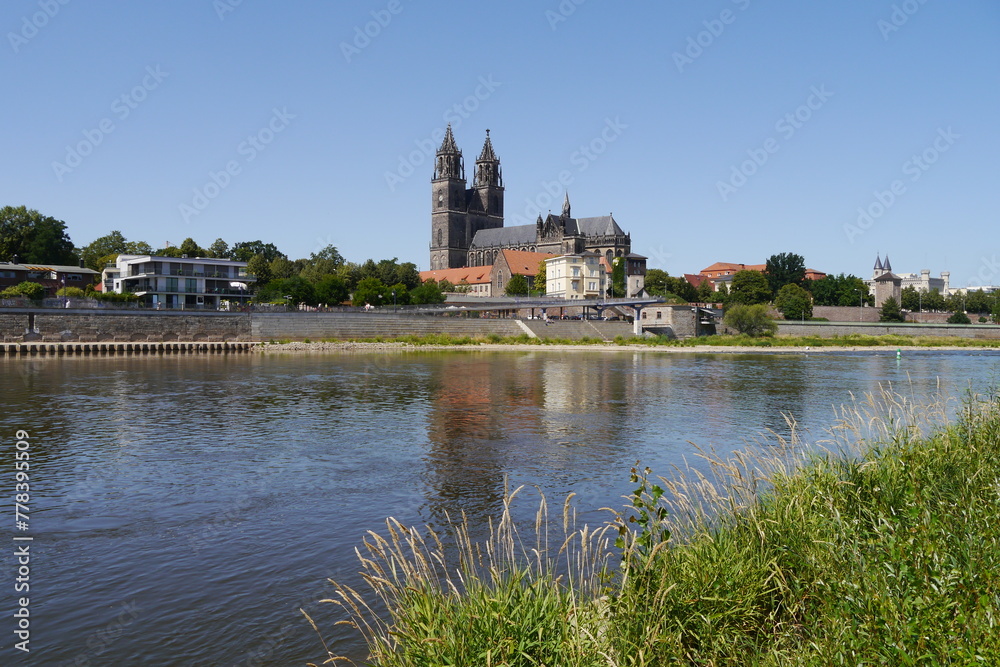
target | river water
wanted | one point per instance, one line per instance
(183, 508)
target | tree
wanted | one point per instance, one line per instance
(243, 251)
(370, 291)
(840, 290)
(541, 279)
(34, 238)
(996, 312)
(428, 292)
(958, 317)
(169, 251)
(191, 249)
(977, 302)
(219, 248)
(794, 302)
(783, 269)
(656, 282)
(618, 277)
(95, 254)
(910, 299)
(934, 301)
(327, 261)
(295, 290)
(281, 268)
(890, 311)
(752, 320)
(331, 289)
(259, 267)
(749, 288)
(705, 292)
(74, 292)
(517, 286)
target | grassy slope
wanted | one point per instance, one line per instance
(888, 554)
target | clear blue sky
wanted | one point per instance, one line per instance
(670, 97)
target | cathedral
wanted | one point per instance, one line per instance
(467, 223)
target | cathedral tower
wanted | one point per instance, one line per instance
(457, 213)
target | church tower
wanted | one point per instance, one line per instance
(458, 212)
(449, 244)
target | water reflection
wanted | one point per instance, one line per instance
(226, 489)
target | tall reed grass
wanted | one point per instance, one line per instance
(879, 545)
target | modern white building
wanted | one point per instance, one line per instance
(578, 276)
(180, 282)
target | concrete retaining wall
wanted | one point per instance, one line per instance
(50, 325)
(344, 326)
(830, 329)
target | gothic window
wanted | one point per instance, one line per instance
(608, 255)
(440, 238)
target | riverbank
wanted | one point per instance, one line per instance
(721, 345)
(883, 548)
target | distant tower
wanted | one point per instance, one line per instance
(457, 213)
(448, 206)
(566, 209)
(878, 269)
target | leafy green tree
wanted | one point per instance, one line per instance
(169, 251)
(890, 311)
(517, 286)
(910, 299)
(705, 292)
(958, 317)
(540, 285)
(429, 292)
(783, 269)
(281, 268)
(371, 291)
(618, 277)
(934, 301)
(191, 249)
(327, 261)
(96, 253)
(996, 312)
(752, 320)
(243, 251)
(401, 297)
(219, 248)
(446, 286)
(977, 302)
(261, 268)
(749, 288)
(656, 282)
(331, 289)
(34, 238)
(294, 290)
(839, 290)
(26, 289)
(794, 302)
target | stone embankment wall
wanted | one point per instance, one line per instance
(866, 314)
(53, 326)
(830, 329)
(344, 326)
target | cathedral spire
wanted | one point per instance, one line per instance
(566, 209)
(448, 162)
(886, 265)
(878, 263)
(488, 166)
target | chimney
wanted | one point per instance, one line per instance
(14, 259)
(81, 264)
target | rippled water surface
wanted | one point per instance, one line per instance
(183, 508)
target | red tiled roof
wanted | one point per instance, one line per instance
(524, 262)
(471, 275)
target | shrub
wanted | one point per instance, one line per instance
(958, 317)
(27, 289)
(750, 320)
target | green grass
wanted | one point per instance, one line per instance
(881, 547)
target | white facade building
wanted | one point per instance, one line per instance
(575, 276)
(180, 282)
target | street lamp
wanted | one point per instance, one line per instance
(394, 301)
(860, 301)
